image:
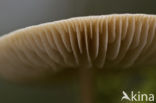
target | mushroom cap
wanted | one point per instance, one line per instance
(107, 41)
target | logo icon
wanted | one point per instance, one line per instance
(125, 96)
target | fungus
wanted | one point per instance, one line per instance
(84, 44)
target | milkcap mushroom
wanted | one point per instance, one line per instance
(84, 44)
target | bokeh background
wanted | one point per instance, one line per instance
(15, 14)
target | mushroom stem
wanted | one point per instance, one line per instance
(87, 85)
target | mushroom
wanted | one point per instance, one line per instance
(83, 45)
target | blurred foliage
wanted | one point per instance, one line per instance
(111, 85)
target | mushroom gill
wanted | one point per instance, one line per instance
(107, 41)
(93, 41)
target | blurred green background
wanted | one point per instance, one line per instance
(15, 14)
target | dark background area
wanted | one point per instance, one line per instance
(15, 14)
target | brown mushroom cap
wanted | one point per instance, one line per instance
(108, 41)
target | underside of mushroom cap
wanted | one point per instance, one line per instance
(107, 41)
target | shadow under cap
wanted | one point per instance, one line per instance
(99, 42)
